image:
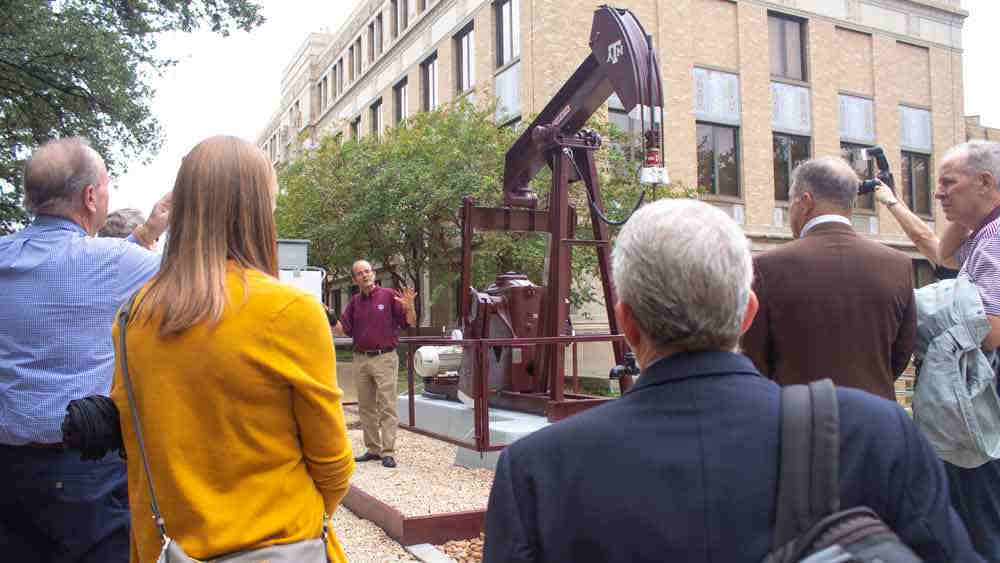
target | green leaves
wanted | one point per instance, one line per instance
(79, 67)
(396, 201)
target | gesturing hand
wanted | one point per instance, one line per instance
(159, 217)
(406, 298)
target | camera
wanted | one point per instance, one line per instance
(883, 173)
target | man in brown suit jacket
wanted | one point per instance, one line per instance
(832, 303)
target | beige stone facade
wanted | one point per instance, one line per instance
(885, 72)
(976, 130)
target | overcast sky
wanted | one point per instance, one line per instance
(232, 85)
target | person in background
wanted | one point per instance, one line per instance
(121, 223)
(684, 467)
(59, 289)
(373, 319)
(234, 375)
(969, 192)
(833, 304)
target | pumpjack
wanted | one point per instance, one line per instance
(529, 375)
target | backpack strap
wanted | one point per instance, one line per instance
(808, 477)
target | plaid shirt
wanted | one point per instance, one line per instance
(980, 260)
(59, 290)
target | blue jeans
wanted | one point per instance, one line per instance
(57, 508)
(975, 494)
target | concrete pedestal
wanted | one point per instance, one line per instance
(455, 420)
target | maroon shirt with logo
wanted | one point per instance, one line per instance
(373, 321)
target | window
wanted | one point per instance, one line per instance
(371, 42)
(421, 6)
(466, 60)
(429, 70)
(355, 128)
(296, 115)
(339, 138)
(915, 186)
(923, 273)
(375, 118)
(787, 46)
(400, 101)
(864, 168)
(357, 58)
(352, 70)
(324, 91)
(378, 35)
(400, 16)
(789, 152)
(508, 31)
(339, 77)
(718, 159)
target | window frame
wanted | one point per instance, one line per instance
(375, 117)
(429, 87)
(714, 188)
(909, 192)
(783, 40)
(790, 164)
(511, 31)
(401, 100)
(465, 59)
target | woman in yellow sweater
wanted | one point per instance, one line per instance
(234, 375)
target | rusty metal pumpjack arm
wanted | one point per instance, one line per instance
(621, 62)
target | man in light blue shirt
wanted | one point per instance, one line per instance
(59, 290)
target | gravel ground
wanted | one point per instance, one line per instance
(364, 542)
(425, 481)
(464, 551)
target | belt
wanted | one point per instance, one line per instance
(46, 446)
(375, 352)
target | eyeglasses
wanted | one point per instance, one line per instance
(360, 273)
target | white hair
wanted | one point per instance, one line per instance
(980, 156)
(684, 268)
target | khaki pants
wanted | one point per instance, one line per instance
(376, 378)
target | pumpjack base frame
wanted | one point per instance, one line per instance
(542, 404)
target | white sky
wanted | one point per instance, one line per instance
(232, 85)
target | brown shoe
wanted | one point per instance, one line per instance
(368, 457)
(387, 461)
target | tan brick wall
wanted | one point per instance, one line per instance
(824, 52)
(717, 44)
(853, 61)
(887, 127)
(947, 119)
(675, 54)
(755, 133)
(913, 82)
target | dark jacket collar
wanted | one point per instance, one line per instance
(694, 364)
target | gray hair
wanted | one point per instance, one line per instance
(57, 171)
(684, 268)
(121, 223)
(980, 156)
(828, 178)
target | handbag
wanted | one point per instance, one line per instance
(305, 551)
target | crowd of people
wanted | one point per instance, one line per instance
(230, 412)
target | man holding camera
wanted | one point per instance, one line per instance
(832, 303)
(969, 192)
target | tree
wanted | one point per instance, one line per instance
(396, 200)
(81, 67)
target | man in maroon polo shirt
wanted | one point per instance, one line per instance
(373, 319)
